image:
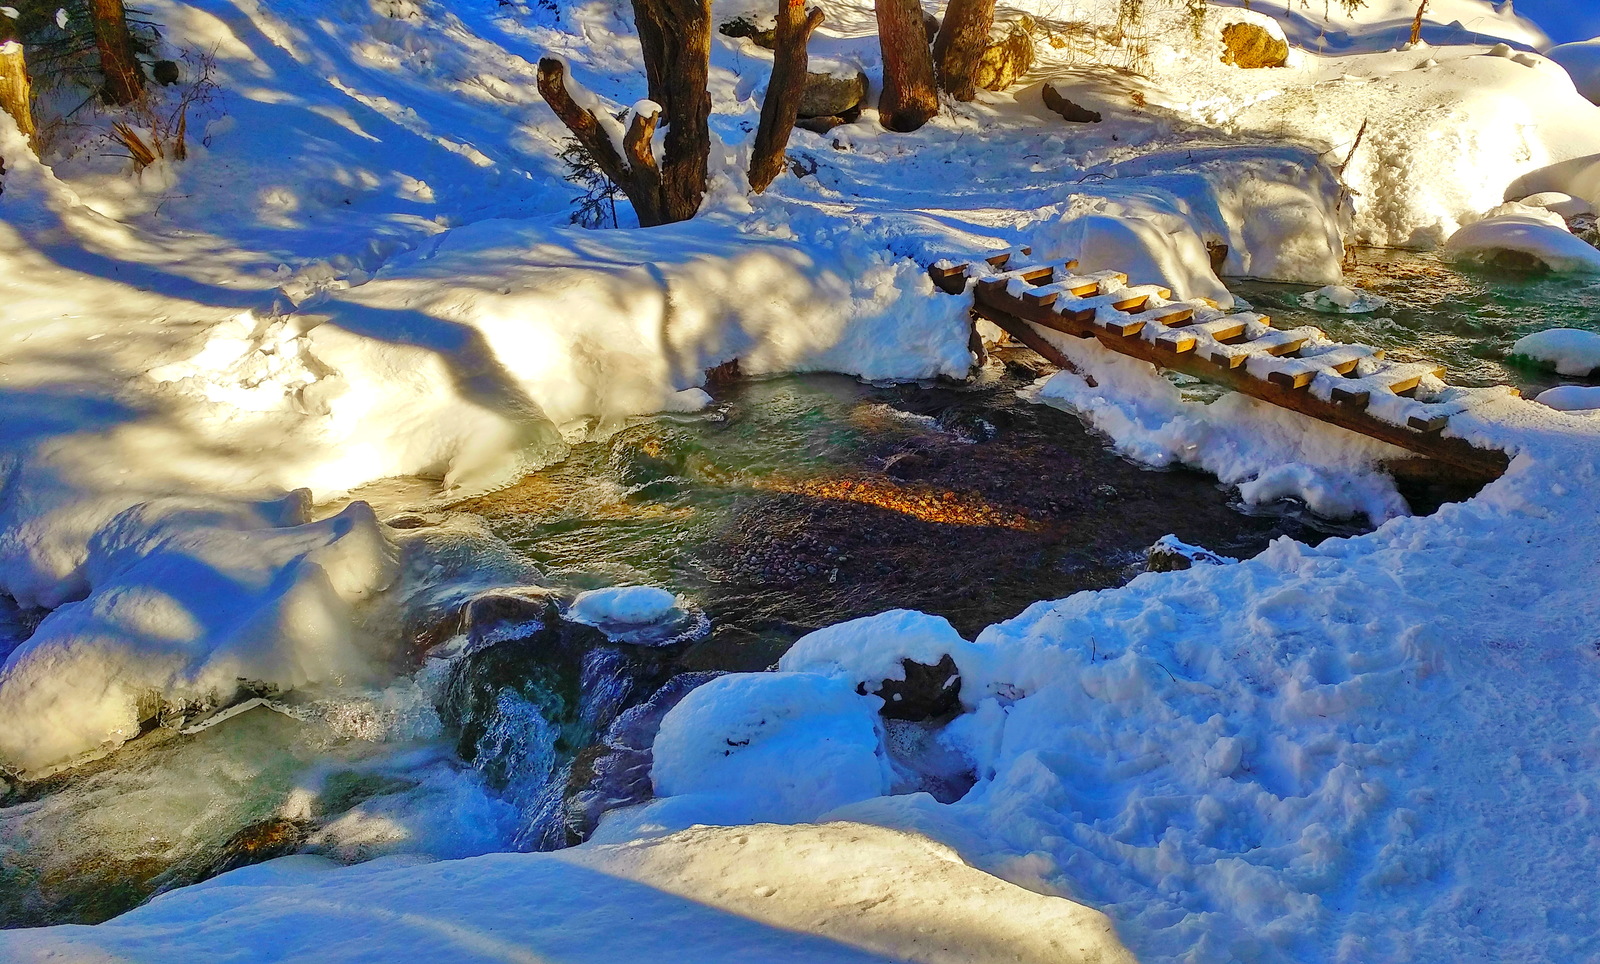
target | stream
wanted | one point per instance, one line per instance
(792, 503)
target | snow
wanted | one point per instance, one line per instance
(364, 272)
(1541, 236)
(1570, 351)
(1571, 398)
(1342, 300)
(782, 747)
(1581, 61)
(630, 605)
(838, 892)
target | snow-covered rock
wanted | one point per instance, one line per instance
(1526, 238)
(1571, 398)
(1570, 351)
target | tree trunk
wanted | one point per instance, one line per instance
(908, 98)
(637, 174)
(781, 105)
(124, 76)
(1416, 24)
(16, 92)
(676, 40)
(959, 47)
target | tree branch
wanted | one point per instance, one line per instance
(642, 184)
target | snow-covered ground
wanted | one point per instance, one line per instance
(1373, 750)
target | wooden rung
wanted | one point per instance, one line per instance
(1354, 397)
(1040, 297)
(1172, 317)
(1223, 328)
(1035, 274)
(1431, 423)
(1292, 379)
(999, 259)
(1178, 342)
(1226, 359)
(1404, 386)
(1286, 347)
(1132, 303)
(1081, 287)
(1121, 327)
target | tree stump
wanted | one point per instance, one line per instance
(16, 92)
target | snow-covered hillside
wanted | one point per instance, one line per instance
(1371, 750)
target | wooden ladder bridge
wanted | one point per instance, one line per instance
(1352, 386)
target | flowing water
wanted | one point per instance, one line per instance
(792, 503)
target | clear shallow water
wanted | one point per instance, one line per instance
(795, 503)
(1466, 317)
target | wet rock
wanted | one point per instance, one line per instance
(927, 692)
(1067, 109)
(908, 466)
(262, 841)
(833, 93)
(347, 789)
(515, 612)
(615, 772)
(1249, 45)
(1008, 59)
(1169, 554)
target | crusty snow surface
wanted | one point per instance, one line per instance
(1378, 749)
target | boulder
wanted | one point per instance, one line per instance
(1006, 60)
(513, 612)
(1067, 109)
(838, 92)
(1248, 45)
(763, 34)
(1169, 554)
(927, 692)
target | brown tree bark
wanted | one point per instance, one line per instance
(16, 91)
(1416, 24)
(637, 174)
(962, 38)
(908, 98)
(676, 39)
(781, 105)
(124, 76)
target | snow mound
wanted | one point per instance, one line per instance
(1582, 63)
(1570, 351)
(841, 893)
(1540, 240)
(1564, 205)
(872, 649)
(187, 607)
(782, 747)
(1571, 398)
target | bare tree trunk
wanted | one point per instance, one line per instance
(676, 37)
(124, 76)
(908, 98)
(637, 174)
(1416, 23)
(960, 45)
(781, 105)
(16, 91)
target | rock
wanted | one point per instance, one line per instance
(927, 692)
(1248, 45)
(760, 34)
(1169, 554)
(1003, 62)
(262, 841)
(833, 93)
(615, 772)
(165, 72)
(514, 612)
(930, 24)
(1067, 109)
